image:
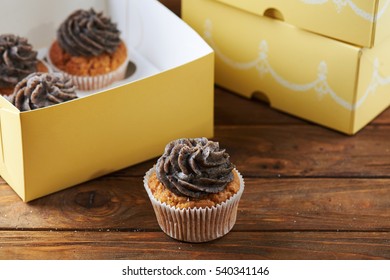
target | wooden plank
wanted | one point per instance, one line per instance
(313, 204)
(231, 109)
(98, 204)
(156, 245)
(173, 5)
(383, 118)
(267, 204)
(311, 193)
(300, 151)
(307, 151)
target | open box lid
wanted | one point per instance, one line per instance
(358, 22)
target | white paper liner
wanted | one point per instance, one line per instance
(196, 224)
(89, 83)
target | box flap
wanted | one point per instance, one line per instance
(368, 10)
(11, 150)
(147, 25)
(6, 105)
(252, 6)
(355, 21)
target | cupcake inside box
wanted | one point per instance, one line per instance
(145, 35)
(123, 124)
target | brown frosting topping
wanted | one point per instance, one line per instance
(17, 59)
(87, 33)
(40, 90)
(194, 167)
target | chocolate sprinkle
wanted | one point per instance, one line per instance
(40, 90)
(194, 167)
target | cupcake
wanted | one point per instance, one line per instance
(40, 90)
(194, 190)
(89, 50)
(17, 60)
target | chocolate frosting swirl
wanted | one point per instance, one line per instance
(87, 33)
(194, 167)
(40, 90)
(17, 59)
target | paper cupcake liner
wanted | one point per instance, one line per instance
(89, 83)
(196, 224)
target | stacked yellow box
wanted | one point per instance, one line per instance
(326, 61)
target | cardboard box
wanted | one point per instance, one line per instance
(358, 22)
(169, 96)
(326, 81)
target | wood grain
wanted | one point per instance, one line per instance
(310, 193)
(300, 151)
(156, 245)
(267, 204)
(307, 151)
(173, 5)
(231, 109)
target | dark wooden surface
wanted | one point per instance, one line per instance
(311, 193)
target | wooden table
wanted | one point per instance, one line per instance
(311, 193)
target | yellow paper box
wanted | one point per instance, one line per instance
(359, 22)
(323, 80)
(169, 96)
